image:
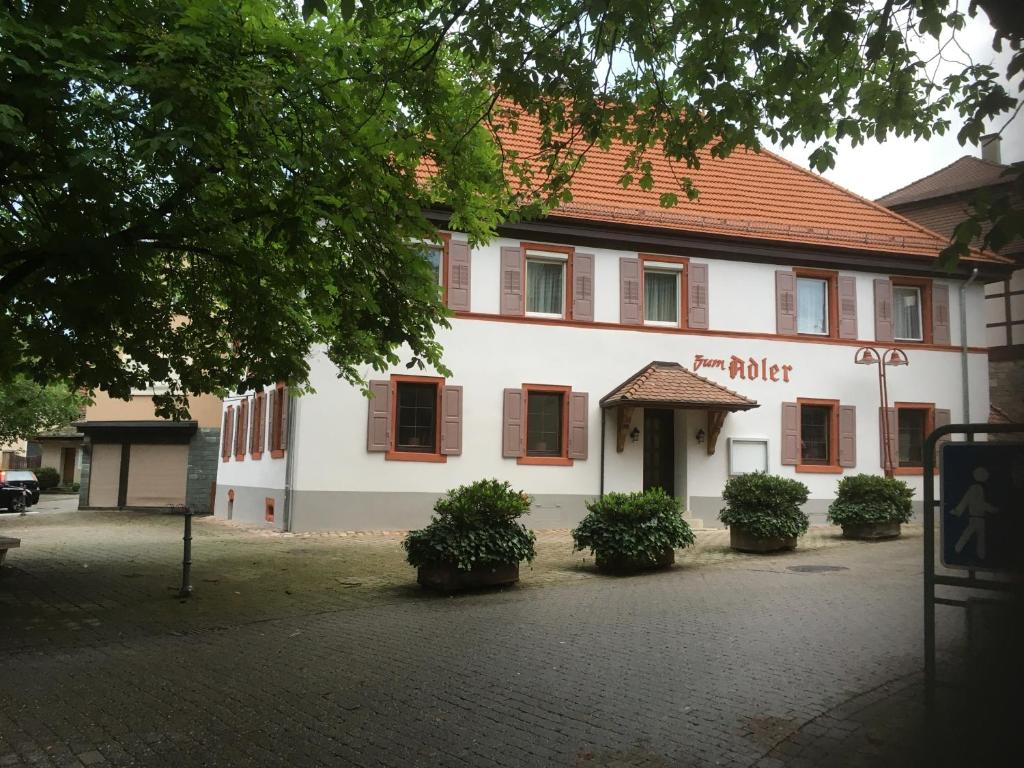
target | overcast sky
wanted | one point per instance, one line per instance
(874, 169)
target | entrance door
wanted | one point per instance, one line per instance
(67, 463)
(659, 450)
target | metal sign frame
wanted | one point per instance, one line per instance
(931, 579)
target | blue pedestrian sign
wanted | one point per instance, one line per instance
(981, 489)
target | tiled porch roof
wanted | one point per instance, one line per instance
(670, 385)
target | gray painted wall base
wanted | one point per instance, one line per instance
(249, 505)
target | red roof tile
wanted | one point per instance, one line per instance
(671, 384)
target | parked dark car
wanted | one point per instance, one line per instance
(22, 478)
(13, 498)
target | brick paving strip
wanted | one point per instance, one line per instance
(320, 649)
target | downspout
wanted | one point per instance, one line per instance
(603, 419)
(288, 466)
(963, 345)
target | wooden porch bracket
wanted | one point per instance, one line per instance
(623, 418)
(715, 421)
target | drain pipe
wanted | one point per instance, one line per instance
(603, 419)
(963, 345)
(289, 446)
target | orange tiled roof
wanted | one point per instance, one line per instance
(671, 384)
(753, 195)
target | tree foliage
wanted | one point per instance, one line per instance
(260, 168)
(28, 408)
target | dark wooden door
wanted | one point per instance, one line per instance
(67, 456)
(659, 450)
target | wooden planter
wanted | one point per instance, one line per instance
(447, 577)
(871, 531)
(741, 540)
(624, 565)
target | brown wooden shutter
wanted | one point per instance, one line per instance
(785, 303)
(894, 438)
(578, 418)
(241, 429)
(941, 418)
(940, 314)
(583, 286)
(378, 423)
(790, 433)
(458, 276)
(697, 295)
(847, 289)
(630, 292)
(847, 436)
(260, 425)
(451, 421)
(228, 432)
(512, 423)
(271, 417)
(512, 301)
(254, 417)
(282, 435)
(883, 310)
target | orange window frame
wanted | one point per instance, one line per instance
(684, 285)
(569, 251)
(831, 279)
(446, 239)
(925, 286)
(929, 425)
(277, 439)
(832, 466)
(562, 460)
(392, 453)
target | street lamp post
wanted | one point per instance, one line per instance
(871, 356)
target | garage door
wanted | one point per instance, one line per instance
(157, 475)
(104, 474)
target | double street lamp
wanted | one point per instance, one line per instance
(883, 359)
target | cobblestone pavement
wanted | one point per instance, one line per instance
(318, 650)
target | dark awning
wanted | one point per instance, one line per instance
(154, 431)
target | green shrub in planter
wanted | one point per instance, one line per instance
(473, 535)
(871, 506)
(48, 478)
(633, 531)
(764, 506)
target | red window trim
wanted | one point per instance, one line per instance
(684, 288)
(925, 284)
(831, 468)
(831, 278)
(277, 446)
(569, 251)
(392, 453)
(929, 425)
(562, 460)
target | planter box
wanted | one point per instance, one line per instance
(620, 565)
(871, 531)
(446, 577)
(743, 541)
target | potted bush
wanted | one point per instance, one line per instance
(764, 512)
(629, 532)
(871, 506)
(473, 539)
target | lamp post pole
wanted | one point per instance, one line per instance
(871, 356)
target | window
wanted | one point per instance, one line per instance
(661, 297)
(907, 306)
(545, 286)
(913, 423)
(434, 256)
(278, 421)
(816, 434)
(544, 423)
(812, 305)
(416, 417)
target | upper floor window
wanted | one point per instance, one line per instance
(907, 315)
(812, 303)
(545, 284)
(661, 296)
(434, 256)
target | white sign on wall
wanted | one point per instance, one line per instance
(748, 454)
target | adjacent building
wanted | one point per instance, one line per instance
(619, 345)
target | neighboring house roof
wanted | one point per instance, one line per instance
(672, 385)
(961, 175)
(753, 195)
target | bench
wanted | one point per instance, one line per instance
(6, 542)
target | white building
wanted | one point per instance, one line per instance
(618, 345)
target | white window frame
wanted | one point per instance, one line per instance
(824, 281)
(920, 312)
(758, 442)
(664, 267)
(549, 257)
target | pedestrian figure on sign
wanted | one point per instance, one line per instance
(976, 507)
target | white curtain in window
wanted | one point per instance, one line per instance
(811, 306)
(906, 312)
(660, 297)
(544, 287)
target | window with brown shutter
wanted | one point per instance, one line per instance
(817, 435)
(816, 302)
(227, 433)
(911, 424)
(278, 431)
(552, 424)
(911, 309)
(241, 429)
(664, 290)
(547, 280)
(415, 418)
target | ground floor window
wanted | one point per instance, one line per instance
(544, 423)
(816, 434)
(416, 417)
(913, 425)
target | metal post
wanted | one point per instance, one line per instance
(886, 436)
(186, 558)
(929, 581)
